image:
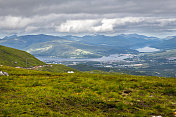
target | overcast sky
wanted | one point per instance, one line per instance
(79, 17)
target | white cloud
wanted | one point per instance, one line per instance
(106, 25)
(11, 22)
(95, 25)
(85, 24)
(127, 20)
(165, 22)
(77, 16)
(31, 29)
(77, 26)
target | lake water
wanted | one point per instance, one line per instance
(113, 57)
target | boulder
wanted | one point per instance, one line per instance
(3, 73)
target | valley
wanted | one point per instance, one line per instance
(138, 64)
(137, 54)
(87, 58)
(96, 87)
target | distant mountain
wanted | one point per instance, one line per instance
(88, 46)
(14, 57)
(63, 47)
(167, 43)
(23, 42)
(122, 41)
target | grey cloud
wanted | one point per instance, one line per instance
(130, 24)
(119, 7)
(87, 16)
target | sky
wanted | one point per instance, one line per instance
(84, 17)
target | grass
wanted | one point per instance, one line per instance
(14, 57)
(41, 93)
(56, 68)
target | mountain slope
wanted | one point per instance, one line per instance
(167, 44)
(14, 57)
(89, 46)
(63, 47)
(119, 41)
(23, 42)
(34, 93)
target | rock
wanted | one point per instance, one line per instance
(70, 72)
(3, 73)
(6, 74)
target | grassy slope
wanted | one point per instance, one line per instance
(14, 57)
(38, 93)
(59, 68)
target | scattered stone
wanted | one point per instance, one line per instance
(18, 67)
(3, 73)
(70, 72)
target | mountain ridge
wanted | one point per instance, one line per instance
(88, 46)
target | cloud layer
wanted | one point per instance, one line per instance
(153, 17)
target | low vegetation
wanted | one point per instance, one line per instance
(14, 57)
(59, 68)
(41, 93)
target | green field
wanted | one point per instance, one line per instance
(40, 93)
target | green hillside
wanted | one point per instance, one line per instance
(31, 93)
(14, 57)
(57, 68)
